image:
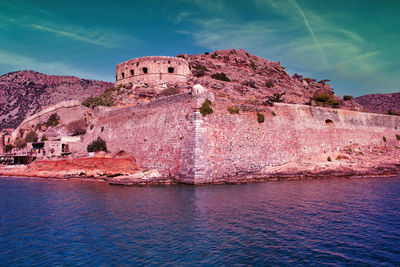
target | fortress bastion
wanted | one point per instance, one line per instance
(154, 70)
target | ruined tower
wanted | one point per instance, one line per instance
(154, 70)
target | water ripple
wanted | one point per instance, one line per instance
(332, 221)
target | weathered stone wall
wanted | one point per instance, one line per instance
(68, 111)
(242, 145)
(170, 135)
(154, 133)
(2, 144)
(152, 70)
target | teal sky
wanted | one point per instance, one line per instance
(354, 43)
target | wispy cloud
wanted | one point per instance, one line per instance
(309, 42)
(321, 50)
(31, 18)
(100, 37)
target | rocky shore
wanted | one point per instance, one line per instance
(380, 161)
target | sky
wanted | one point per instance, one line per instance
(354, 43)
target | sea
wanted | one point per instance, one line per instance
(337, 222)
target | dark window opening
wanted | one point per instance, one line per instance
(144, 70)
(132, 72)
(170, 70)
(137, 64)
(123, 75)
(116, 77)
(329, 122)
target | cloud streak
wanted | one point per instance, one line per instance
(34, 19)
(96, 37)
(311, 32)
(305, 41)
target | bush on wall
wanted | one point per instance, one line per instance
(97, 145)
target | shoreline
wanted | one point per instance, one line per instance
(153, 178)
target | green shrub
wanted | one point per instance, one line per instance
(326, 100)
(322, 97)
(104, 99)
(44, 138)
(53, 120)
(206, 53)
(200, 67)
(31, 136)
(91, 127)
(384, 139)
(214, 55)
(206, 108)
(20, 143)
(398, 137)
(199, 71)
(253, 65)
(273, 113)
(97, 145)
(250, 83)
(329, 159)
(347, 97)
(233, 110)
(260, 117)
(269, 84)
(9, 147)
(276, 98)
(220, 76)
(332, 103)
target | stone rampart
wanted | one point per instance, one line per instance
(170, 135)
(68, 111)
(154, 133)
(242, 145)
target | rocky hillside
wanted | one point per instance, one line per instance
(249, 76)
(24, 93)
(380, 103)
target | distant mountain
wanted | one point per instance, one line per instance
(23, 93)
(380, 103)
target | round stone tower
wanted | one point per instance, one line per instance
(154, 70)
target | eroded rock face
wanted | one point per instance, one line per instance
(24, 93)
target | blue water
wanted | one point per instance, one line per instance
(329, 221)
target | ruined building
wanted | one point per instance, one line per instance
(154, 70)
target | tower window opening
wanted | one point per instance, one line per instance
(329, 122)
(132, 72)
(144, 70)
(123, 75)
(170, 70)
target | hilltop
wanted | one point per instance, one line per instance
(380, 103)
(23, 93)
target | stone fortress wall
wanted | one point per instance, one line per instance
(68, 111)
(171, 135)
(152, 70)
